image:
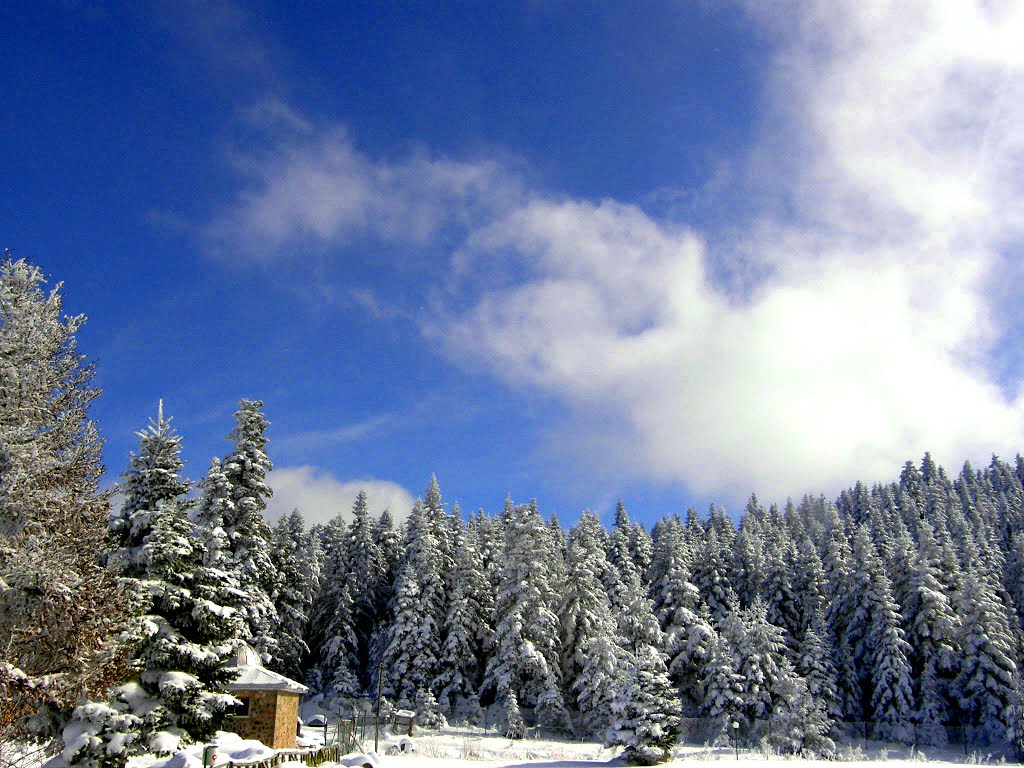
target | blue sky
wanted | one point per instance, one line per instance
(674, 252)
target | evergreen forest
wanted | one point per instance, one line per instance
(897, 606)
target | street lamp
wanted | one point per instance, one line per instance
(736, 738)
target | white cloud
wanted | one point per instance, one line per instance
(893, 143)
(896, 142)
(913, 116)
(843, 373)
(320, 496)
(308, 188)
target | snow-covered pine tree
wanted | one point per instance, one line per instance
(676, 605)
(814, 663)
(634, 613)
(334, 596)
(556, 533)
(61, 611)
(899, 561)
(621, 568)
(750, 563)
(467, 626)
(389, 543)
(428, 715)
(912, 484)
(837, 562)
(490, 534)
(722, 524)
(694, 530)
(781, 601)
(877, 640)
(641, 550)
(646, 711)
(712, 574)
(153, 477)
(391, 548)
(293, 598)
(185, 636)
(441, 527)
(759, 650)
(987, 682)
(798, 723)
(413, 646)
(721, 688)
(215, 507)
(402, 678)
(933, 631)
(366, 571)
(646, 708)
(524, 667)
(1015, 572)
(338, 666)
(593, 663)
(809, 584)
(248, 534)
(311, 554)
(932, 710)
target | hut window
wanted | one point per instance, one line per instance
(242, 708)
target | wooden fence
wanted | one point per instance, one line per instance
(329, 754)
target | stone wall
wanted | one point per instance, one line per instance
(262, 717)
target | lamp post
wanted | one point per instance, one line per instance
(736, 738)
(376, 725)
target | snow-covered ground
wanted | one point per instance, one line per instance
(451, 748)
(470, 748)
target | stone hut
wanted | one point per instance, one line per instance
(269, 708)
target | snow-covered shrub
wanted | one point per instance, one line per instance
(427, 713)
(511, 723)
(646, 711)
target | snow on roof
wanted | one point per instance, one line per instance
(253, 676)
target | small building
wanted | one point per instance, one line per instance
(269, 707)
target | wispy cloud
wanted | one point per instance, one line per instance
(318, 439)
(888, 197)
(311, 190)
(220, 38)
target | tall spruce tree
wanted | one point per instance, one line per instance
(467, 625)
(248, 535)
(877, 640)
(293, 597)
(676, 605)
(413, 644)
(721, 689)
(593, 662)
(329, 634)
(366, 572)
(61, 611)
(524, 667)
(184, 638)
(988, 678)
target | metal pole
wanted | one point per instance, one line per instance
(376, 725)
